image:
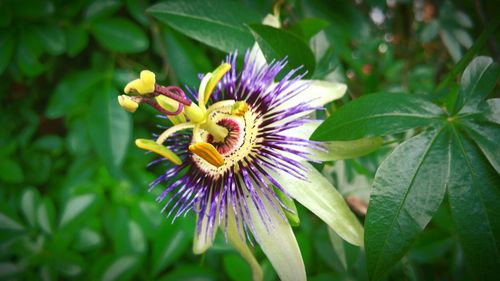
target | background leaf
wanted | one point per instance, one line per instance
(169, 243)
(76, 208)
(277, 44)
(216, 23)
(6, 50)
(110, 129)
(119, 35)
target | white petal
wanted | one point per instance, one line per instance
(279, 243)
(257, 56)
(241, 246)
(316, 95)
(305, 131)
(318, 195)
(202, 242)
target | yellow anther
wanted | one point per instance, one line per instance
(128, 103)
(158, 149)
(208, 153)
(216, 77)
(144, 85)
(239, 108)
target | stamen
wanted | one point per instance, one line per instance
(216, 77)
(144, 85)
(239, 108)
(158, 149)
(208, 153)
(130, 104)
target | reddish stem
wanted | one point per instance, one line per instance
(163, 110)
(174, 93)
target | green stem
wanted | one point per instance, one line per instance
(467, 58)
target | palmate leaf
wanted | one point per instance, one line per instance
(487, 136)
(478, 79)
(378, 115)
(474, 199)
(410, 184)
(407, 190)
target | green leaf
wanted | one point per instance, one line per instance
(28, 61)
(128, 237)
(46, 215)
(76, 207)
(430, 31)
(377, 115)
(10, 171)
(9, 269)
(102, 9)
(487, 137)
(5, 16)
(277, 44)
(119, 35)
(170, 242)
(87, 240)
(73, 90)
(148, 216)
(29, 204)
(52, 38)
(120, 268)
(491, 110)
(473, 194)
(407, 190)
(219, 24)
(6, 50)
(451, 43)
(186, 58)
(137, 9)
(478, 80)
(77, 39)
(9, 224)
(110, 129)
(33, 9)
(236, 267)
(431, 246)
(190, 273)
(309, 27)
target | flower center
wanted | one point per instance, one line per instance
(232, 140)
(237, 146)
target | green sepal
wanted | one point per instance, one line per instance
(291, 214)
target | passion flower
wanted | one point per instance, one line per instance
(240, 150)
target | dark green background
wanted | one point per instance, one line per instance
(73, 198)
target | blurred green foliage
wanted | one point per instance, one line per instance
(74, 201)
